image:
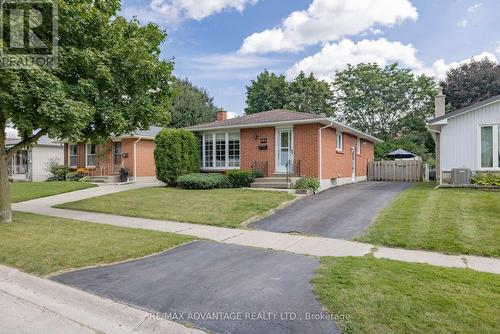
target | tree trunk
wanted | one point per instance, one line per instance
(5, 208)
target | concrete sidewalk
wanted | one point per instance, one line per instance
(30, 304)
(309, 245)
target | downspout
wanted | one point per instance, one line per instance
(135, 158)
(320, 149)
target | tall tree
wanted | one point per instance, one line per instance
(268, 91)
(471, 82)
(384, 102)
(191, 105)
(110, 80)
(310, 95)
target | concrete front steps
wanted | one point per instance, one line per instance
(273, 182)
(105, 179)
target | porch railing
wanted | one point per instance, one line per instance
(293, 169)
(99, 171)
(261, 167)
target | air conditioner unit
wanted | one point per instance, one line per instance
(461, 176)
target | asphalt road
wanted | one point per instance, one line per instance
(243, 289)
(341, 212)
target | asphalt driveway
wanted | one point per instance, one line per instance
(221, 288)
(341, 212)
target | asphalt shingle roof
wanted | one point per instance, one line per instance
(277, 115)
(466, 109)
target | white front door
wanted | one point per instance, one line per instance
(284, 150)
(353, 157)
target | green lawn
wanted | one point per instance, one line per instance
(42, 245)
(385, 296)
(453, 221)
(24, 191)
(220, 207)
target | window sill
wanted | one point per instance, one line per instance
(340, 152)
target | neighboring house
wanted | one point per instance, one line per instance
(30, 163)
(135, 152)
(466, 138)
(278, 142)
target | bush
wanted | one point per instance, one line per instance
(240, 178)
(58, 171)
(307, 183)
(257, 174)
(203, 181)
(176, 154)
(486, 179)
(74, 176)
(84, 179)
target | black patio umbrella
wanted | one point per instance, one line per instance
(400, 154)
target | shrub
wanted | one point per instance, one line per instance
(58, 171)
(307, 183)
(203, 181)
(176, 154)
(74, 176)
(84, 179)
(240, 178)
(257, 174)
(486, 179)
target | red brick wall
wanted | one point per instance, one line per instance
(249, 147)
(328, 153)
(305, 143)
(145, 158)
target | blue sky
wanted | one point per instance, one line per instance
(223, 44)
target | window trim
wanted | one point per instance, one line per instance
(70, 155)
(339, 134)
(496, 147)
(211, 136)
(87, 155)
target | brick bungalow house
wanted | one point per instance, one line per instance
(281, 142)
(133, 151)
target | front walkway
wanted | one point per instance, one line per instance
(308, 245)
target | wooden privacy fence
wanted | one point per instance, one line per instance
(400, 170)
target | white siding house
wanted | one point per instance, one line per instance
(468, 137)
(29, 164)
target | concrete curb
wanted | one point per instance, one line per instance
(96, 313)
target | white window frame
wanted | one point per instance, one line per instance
(70, 155)
(87, 154)
(496, 147)
(211, 136)
(339, 134)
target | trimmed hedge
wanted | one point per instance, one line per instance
(203, 181)
(240, 178)
(307, 183)
(176, 154)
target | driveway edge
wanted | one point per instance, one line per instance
(99, 314)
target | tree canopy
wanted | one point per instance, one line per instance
(387, 102)
(191, 105)
(268, 91)
(305, 94)
(471, 82)
(109, 80)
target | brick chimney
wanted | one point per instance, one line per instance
(221, 115)
(439, 102)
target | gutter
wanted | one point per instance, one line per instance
(135, 158)
(320, 157)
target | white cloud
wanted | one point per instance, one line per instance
(439, 67)
(175, 11)
(463, 23)
(335, 57)
(328, 20)
(474, 7)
